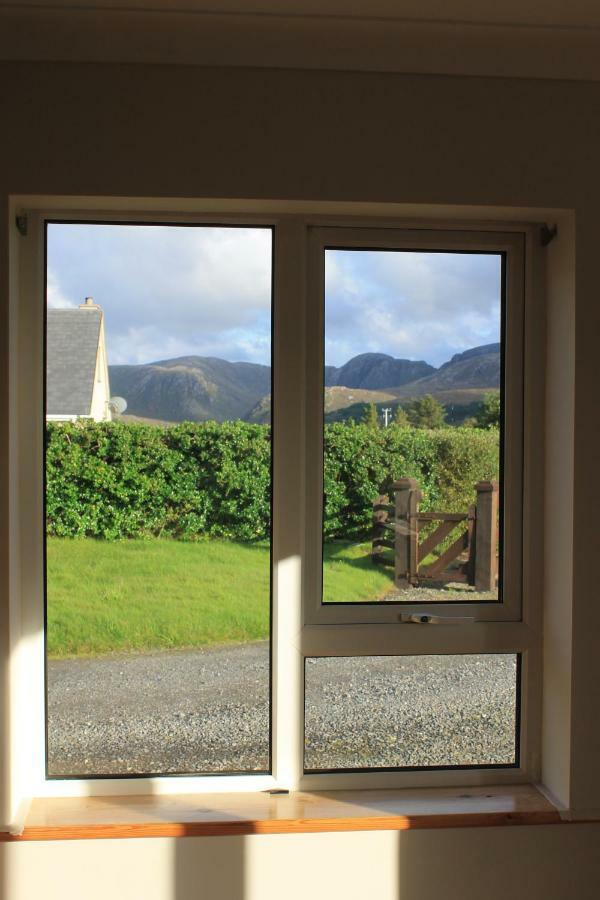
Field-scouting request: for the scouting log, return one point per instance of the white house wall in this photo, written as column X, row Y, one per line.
column 99, row 409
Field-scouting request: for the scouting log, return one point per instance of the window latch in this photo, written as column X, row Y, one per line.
column 428, row 619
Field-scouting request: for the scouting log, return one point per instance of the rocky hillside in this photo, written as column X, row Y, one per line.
column 190, row 388
column 197, row 388
column 376, row 371
column 477, row 368
column 336, row 399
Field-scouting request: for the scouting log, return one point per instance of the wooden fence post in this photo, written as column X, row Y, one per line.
column 381, row 507
column 472, row 544
column 407, row 496
column 486, row 535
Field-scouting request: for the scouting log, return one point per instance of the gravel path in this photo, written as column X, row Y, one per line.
column 207, row 711
column 410, row 711
column 439, row 593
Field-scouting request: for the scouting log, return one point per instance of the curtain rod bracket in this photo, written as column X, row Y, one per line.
column 547, row 234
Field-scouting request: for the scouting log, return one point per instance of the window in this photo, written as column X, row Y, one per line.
column 384, row 529
column 158, row 499
column 451, row 499
column 411, row 712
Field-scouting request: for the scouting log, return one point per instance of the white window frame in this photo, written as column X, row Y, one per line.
column 301, row 628
column 512, row 247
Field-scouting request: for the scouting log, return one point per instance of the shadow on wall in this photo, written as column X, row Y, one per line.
column 128, row 869
column 547, row 862
column 209, row 869
column 550, row 862
column 329, row 866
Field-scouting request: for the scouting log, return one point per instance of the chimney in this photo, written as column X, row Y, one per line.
column 89, row 304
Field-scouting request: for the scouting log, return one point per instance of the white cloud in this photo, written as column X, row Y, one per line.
column 54, row 296
column 170, row 291
column 175, row 291
column 414, row 305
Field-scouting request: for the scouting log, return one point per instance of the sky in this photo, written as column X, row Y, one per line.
column 170, row 291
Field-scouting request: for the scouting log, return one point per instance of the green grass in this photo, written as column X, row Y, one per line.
column 349, row 576
column 106, row 597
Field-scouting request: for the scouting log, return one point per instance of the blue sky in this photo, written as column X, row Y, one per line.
column 171, row 291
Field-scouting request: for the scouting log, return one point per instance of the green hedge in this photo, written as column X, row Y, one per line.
column 115, row 480
column 360, row 461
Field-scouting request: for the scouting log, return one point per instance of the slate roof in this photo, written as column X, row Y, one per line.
column 71, row 351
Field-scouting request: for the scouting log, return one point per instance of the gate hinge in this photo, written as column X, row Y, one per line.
column 21, row 223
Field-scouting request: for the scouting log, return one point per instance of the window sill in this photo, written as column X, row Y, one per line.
column 240, row 814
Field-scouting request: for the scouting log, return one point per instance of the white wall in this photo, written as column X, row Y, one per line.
column 552, row 862
column 192, row 132
column 99, row 409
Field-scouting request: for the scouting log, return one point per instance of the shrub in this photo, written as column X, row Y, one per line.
column 425, row 412
column 115, row 480
column 488, row 415
column 360, row 463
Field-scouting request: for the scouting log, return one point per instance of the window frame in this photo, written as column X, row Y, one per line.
column 144, row 221
column 297, row 633
column 511, row 246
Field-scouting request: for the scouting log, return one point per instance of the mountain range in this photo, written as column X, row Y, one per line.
column 197, row 388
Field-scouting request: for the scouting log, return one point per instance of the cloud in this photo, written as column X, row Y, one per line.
column 169, row 291
column 414, row 305
column 54, row 296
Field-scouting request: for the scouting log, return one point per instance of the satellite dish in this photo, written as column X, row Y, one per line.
column 117, row 405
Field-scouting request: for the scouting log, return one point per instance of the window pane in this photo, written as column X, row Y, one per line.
column 158, row 499
column 412, row 433
column 379, row 712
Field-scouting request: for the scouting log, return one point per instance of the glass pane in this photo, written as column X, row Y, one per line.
column 158, row 499
column 380, row 712
column 412, row 426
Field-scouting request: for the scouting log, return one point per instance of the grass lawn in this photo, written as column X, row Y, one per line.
column 160, row 594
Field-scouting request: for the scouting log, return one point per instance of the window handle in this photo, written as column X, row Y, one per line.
column 428, row 619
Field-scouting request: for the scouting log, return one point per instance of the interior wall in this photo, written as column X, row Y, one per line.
column 196, row 132
column 550, row 862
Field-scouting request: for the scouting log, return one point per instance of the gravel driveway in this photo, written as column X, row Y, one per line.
column 207, row 711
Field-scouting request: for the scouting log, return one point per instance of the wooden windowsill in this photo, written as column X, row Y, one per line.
column 262, row 813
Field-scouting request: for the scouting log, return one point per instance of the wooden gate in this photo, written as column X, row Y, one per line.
column 397, row 526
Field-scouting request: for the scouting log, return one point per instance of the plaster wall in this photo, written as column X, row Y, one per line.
column 169, row 131
column 551, row 862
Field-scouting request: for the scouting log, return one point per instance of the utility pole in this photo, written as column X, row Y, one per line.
column 387, row 415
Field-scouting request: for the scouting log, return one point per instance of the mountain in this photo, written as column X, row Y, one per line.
column 260, row 414
column 458, row 405
column 336, row 399
column 375, row 371
column 476, row 368
column 197, row 388
column 190, row 388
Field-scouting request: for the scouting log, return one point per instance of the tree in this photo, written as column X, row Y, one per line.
column 425, row 412
column 489, row 411
column 370, row 417
column 400, row 417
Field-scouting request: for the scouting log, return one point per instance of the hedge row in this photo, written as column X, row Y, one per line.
column 115, row 480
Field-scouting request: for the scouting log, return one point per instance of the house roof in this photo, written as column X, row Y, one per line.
column 71, row 352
